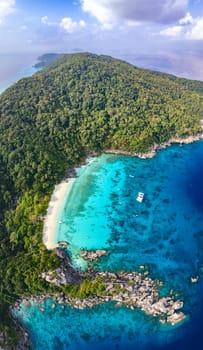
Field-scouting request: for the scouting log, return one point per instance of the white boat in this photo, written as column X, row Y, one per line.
column 140, row 197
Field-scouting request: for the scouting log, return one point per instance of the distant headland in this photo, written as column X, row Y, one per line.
column 45, row 59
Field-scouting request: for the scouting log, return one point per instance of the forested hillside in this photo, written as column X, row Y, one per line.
column 48, row 122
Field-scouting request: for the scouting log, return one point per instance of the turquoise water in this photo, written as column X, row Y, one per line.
column 164, row 233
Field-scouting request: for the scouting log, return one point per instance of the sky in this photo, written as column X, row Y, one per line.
column 160, row 34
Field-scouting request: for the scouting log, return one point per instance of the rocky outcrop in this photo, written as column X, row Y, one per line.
column 176, row 318
column 62, row 244
column 61, row 253
column 132, row 290
column 63, row 274
column 91, row 255
column 24, row 341
column 151, row 153
column 194, row 279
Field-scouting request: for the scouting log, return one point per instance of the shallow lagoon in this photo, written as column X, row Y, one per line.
column 165, row 233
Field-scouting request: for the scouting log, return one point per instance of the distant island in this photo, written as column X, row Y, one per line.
column 45, row 59
column 78, row 104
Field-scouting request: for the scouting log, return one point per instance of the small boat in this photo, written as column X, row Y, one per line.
column 140, row 197
column 60, row 222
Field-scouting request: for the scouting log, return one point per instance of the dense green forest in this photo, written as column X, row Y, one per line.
column 49, row 122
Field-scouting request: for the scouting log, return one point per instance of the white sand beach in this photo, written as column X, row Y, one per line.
column 52, row 212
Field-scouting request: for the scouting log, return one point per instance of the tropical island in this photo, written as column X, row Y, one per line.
column 78, row 104
column 45, row 59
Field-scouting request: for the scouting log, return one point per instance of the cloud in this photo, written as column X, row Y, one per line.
column 186, row 20
column 196, row 31
column 67, row 24
column 6, row 8
column 45, row 20
column 113, row 11
column 188, row 29
column 174, row 31
column 70, row 26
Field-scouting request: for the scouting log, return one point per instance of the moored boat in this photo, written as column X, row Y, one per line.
column 140, row 197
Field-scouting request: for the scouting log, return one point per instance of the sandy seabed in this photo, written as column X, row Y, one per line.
column 50, row 222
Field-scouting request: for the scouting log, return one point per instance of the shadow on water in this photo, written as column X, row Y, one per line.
column 194, row 185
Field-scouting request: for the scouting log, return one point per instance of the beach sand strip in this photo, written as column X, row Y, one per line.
column 50, row 222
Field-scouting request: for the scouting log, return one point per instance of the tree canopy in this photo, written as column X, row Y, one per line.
column 48, row 122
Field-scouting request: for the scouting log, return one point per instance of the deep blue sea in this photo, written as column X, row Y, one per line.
column 164, row 233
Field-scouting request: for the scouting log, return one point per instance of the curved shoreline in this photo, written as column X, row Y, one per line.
column 50, row 222
column 156, row 148
column 60, row 190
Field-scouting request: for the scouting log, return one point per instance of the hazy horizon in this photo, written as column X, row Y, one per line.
column 165, row 35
